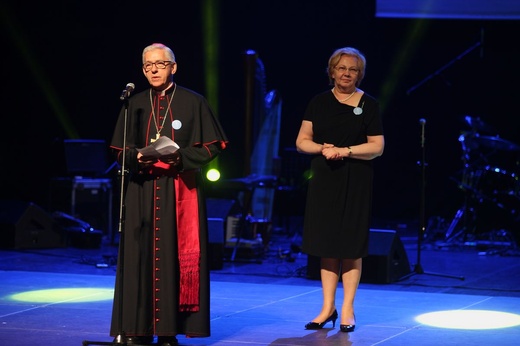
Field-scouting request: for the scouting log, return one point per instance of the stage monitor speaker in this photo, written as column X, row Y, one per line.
column 386, row 262
column 217, row 212
column 24, row 225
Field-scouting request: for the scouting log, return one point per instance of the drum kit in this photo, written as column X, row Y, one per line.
column 489, row 179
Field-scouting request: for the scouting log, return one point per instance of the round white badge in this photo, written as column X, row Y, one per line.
column 176, row 124
column 358, row 111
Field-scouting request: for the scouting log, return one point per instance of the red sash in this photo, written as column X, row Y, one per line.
column 188, row 240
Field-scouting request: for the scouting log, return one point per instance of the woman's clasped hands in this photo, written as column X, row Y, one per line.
column 331, row 152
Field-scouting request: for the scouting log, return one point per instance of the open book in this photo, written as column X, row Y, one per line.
column 161, row 147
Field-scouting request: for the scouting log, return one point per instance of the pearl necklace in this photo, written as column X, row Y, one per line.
column 348, row 97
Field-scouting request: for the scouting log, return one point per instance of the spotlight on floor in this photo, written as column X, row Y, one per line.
column 64, row 295
column 469, row 319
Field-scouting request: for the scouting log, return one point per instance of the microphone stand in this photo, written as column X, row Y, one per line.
column 120, row 339
column 418, row 269
column 449, row 64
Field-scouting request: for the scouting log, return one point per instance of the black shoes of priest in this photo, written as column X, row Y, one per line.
column 167, row 341
column 148, row 341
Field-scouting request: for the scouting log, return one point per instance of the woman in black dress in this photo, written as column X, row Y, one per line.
column 342, row 128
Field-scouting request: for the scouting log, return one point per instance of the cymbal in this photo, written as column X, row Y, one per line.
column 496, row 143
column 476, row 124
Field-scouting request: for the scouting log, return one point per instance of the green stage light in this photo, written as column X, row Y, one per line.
column 213, row 174
column 307, row 175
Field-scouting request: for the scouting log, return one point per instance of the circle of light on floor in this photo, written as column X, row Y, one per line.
column 469, row 319
column 64, row 295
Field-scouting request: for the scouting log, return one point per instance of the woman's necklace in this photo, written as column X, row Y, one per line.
column 157, row 128
column 346, row 99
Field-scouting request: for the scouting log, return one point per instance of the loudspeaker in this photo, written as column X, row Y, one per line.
column 86, row 199
column 386, row 262
column 24, row 225
column 217, row 212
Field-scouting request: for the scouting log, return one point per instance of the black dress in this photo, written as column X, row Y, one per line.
column 151, row 279
column 339, row 196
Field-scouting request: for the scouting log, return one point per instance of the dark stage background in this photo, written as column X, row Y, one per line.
column 64, row 65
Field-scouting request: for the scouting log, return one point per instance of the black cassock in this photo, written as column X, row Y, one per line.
column 151, row 280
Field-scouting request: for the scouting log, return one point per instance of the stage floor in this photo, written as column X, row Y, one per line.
column 267, row 301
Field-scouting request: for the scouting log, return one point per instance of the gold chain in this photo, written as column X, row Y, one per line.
column 157, row 128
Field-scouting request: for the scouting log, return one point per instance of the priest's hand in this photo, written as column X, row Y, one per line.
column 146, row 160
column 172, row 159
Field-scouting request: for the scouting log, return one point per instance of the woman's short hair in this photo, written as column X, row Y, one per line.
column 349, row 51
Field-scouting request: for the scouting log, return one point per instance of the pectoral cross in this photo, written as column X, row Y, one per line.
column 156, row 138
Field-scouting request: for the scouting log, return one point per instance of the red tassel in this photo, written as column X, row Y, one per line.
column 189, row 282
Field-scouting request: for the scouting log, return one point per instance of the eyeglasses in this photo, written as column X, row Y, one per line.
column 147, row 66
column 343, row 69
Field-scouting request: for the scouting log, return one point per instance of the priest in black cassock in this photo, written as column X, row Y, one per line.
column 164, row 241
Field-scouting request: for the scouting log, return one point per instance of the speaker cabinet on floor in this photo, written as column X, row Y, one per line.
column 217, row 212
column 386, row 262
column 24, row 225
column 86, row 199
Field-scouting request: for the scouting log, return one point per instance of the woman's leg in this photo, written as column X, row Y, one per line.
column 329, row 282
column 350, row 276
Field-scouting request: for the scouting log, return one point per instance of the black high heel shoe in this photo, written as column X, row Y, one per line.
column 347, row 328
column 317, row 325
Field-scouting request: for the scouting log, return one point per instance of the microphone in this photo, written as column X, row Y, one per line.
column 422, row 121
column 126, row 91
